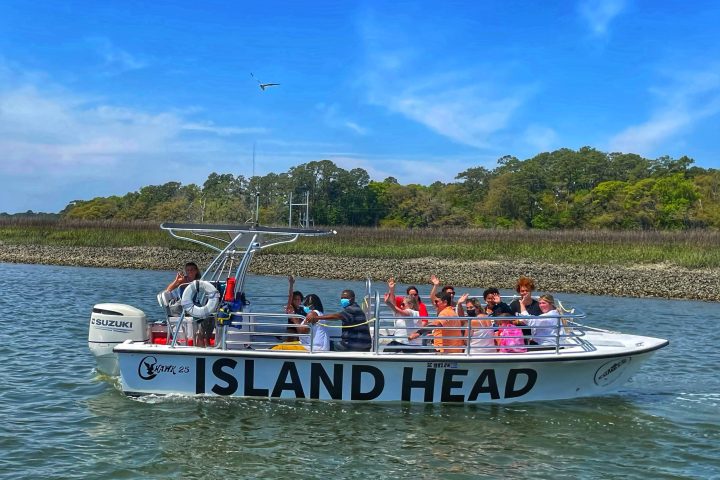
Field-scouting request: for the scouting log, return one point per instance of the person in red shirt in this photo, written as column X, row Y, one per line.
column 422, row 309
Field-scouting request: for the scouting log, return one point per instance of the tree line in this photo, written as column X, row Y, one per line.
column 563, row 189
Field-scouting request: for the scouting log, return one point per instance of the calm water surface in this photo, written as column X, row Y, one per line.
column 61, row 420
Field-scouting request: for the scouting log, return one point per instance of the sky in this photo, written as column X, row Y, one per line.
column 101, row 98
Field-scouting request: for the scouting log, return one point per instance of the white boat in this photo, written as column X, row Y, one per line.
column 159, row 358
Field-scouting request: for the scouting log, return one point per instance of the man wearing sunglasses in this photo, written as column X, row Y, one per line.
column 448, row 334
column 447, row 289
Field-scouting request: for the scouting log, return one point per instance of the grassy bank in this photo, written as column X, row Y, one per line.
column 89, row 234
column 693, row 249
column 698, row 249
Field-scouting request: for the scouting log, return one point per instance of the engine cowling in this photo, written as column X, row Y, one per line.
column 110, row 325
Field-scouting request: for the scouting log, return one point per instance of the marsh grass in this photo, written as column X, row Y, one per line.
column 87, row 234
column 692, row 249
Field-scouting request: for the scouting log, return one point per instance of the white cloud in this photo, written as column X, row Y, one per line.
column 688, row 99
column 210, row 127
column 540, row 138
column 356, row 128
column 333, row 118
column 43, row 130
column 115, row 60
column 468, row 105
column 599, row 13
column 55, row 130
column 423, row 170
column 466, row 115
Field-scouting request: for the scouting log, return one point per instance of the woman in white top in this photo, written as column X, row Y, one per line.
column 407, row 313
column 482, row 338
column 544, row 330
column 319, row 333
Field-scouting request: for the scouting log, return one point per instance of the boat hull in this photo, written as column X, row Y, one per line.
column 148, row 369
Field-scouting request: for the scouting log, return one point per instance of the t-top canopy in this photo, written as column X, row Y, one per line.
column 228, row 239
column 208, row 228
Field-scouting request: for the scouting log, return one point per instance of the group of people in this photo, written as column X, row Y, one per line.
column 306, row 322
column 308, row 317
column 489, row 330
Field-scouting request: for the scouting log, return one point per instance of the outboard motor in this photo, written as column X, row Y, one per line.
column 110, row 325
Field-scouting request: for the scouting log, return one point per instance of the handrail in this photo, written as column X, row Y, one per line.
column 566, row 329
column 559, row 327
column 376, row 318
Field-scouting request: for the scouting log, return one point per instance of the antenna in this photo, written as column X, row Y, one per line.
column 253, row 171
column 256, row 215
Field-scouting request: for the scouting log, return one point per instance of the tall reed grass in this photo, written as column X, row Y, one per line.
column 692, row 249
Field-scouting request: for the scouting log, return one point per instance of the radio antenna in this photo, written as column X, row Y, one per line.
column 253, row 168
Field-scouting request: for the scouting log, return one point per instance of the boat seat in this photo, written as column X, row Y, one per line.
column 169, row 303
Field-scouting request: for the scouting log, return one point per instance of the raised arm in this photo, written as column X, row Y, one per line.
column 179, row 279
column 390, row 298
column 291, row 285
column 435, row 282
column 459, row 309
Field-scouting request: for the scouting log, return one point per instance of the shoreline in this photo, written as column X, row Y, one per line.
column 656, row 281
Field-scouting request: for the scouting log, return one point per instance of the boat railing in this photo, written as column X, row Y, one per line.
column 477, row 339
column 256, row 330
column 260, row 326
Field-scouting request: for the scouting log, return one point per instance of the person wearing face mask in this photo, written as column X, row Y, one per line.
column 318, row 332
column 355, row 336
column 482, row 339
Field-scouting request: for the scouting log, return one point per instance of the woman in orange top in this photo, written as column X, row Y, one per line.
column 449, row 339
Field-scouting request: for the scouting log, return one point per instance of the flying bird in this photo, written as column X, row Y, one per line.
column 263, row 86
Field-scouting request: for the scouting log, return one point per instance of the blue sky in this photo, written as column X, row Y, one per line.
column 100, row 98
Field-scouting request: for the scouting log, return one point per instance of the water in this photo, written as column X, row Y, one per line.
column 60, row 420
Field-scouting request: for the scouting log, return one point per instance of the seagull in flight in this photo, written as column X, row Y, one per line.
column 263, row 86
